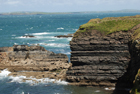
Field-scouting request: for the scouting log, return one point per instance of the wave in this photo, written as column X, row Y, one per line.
column 60, row 28
column 55, row 44
column 42, row 37
column 69, row 39
column 24, row 37
column 30, row 80
column 15, row 43
column 51, row 40
column 0, row 29
column 110, row 88
column 4, row 73
column 43, row 33
column 67, row 53
column 26, row 34
column 13, row 35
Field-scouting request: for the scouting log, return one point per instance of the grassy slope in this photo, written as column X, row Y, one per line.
column 110, row 24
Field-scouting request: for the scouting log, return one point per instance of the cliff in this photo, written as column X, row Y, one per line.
column 104, row 52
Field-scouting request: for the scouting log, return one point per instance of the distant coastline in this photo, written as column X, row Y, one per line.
column 45, row 13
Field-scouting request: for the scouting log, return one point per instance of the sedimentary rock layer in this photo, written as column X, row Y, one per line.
column 102, row 58
column 104, row 52
column 33, row 58
column 99, row 60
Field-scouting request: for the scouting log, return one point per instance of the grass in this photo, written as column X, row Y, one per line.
column 136, row 35
column 136, row 88
column 110, row 24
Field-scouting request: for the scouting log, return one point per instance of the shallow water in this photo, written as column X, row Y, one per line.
column 44, row 28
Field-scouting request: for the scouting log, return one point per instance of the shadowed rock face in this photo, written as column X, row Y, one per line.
column 33, row 58
column 99, row 60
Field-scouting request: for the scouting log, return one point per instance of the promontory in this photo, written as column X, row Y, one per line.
column 106, row 52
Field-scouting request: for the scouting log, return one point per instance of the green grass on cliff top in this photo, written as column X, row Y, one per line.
column 110, row 24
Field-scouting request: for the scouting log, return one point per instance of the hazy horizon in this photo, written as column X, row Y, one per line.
column 67, row 5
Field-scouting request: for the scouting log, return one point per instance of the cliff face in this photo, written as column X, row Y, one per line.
column 33, row 58
column 100, row 58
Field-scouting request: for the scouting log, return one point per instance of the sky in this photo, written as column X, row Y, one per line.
column 67, row 5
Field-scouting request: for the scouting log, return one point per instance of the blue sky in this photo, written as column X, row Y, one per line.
column 67, row 5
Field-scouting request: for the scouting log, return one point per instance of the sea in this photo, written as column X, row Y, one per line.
column 14, row 28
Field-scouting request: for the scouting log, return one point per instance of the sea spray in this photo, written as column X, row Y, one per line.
column 30, row 80
column 4, row 73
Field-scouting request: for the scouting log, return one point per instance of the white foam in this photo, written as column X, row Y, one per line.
column 0, row 29
column 34, row 81
column 60, row 28
column 42, row 37
column 43, row 33
column 26, row 34
column 69, row 39
column 13, row 35
column 67, row 53
column 4, row 73
column 17, row 78
column 61, row 82
column 15, row 43
column 24, row 37
column 112, row 88
column 57, row 45
column 29, row 80
column 51, row 40
column 42, row 44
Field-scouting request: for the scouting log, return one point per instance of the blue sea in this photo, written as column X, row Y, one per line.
column 13, row 28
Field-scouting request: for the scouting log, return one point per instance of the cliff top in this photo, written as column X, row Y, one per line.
column 110, row 25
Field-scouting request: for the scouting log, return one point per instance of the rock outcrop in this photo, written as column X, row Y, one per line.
column 99, row 60
column 64, row 36
column 28, row 36
column 33, row 58
column 102, row 58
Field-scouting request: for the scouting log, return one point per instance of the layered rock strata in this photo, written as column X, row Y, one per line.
column 64, row 36
column 101, row 59
column 34, row 58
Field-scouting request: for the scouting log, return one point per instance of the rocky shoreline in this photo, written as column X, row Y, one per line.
column 33, row 61
column 104, row 53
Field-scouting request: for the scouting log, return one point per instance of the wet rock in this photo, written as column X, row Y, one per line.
column 64, row 36
column 28, row 36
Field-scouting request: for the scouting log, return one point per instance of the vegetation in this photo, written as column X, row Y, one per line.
column 110, row 24
column 136, row 88
column 136, row 35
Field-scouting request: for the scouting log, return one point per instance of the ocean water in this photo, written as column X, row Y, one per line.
column 44, row 28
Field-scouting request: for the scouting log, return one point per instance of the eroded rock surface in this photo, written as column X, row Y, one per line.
column 64, row 36
column 34, row 58
column 100, row 60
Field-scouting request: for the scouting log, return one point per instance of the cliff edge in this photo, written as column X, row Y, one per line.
column 105, row 52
